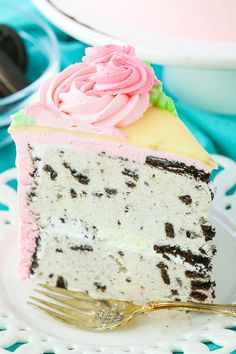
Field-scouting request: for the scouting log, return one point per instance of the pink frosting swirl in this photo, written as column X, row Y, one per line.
column 123, row 74
column 103, row 54
column 111, row 93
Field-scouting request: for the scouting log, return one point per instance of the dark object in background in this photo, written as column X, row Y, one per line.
column 12, row 44
column 11, row 78
column 13, row 62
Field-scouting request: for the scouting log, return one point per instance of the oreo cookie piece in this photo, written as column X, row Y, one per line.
column 12, row 44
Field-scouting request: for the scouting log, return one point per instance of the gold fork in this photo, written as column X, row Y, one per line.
column 80, row 310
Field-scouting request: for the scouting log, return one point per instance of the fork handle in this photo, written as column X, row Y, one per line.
column 228, row 310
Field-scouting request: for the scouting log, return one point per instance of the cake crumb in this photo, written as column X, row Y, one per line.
column 164, row 274
column 129, row 173
column 87, row 248
column 174, row 292
column 111, row 191
column 186, row 199
column 97, row 194
column 61, row 282
column 101, row 287
column 83, row 179
column 130, row 184
column 208, row 232
column 73, row 193
column 49, row 169
column 169, row 230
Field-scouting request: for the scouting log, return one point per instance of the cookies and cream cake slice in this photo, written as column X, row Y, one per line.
column 114, row 190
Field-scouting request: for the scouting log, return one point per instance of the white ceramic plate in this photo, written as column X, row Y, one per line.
column 162, row 333
column 167, row 52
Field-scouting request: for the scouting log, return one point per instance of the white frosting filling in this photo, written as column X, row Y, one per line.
column 132, row 276
column 84, row 199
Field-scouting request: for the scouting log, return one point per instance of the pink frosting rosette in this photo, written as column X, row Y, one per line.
column 103, row 54
column 110, row 89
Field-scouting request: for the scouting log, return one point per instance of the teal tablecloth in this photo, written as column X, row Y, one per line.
column 216, row 133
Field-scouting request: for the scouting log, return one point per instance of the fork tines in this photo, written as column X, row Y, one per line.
column 74, row 308
column 77, row 308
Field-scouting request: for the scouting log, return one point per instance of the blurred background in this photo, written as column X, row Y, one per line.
column 200, row 75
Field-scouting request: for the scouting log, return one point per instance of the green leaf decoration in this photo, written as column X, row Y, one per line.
column 148, row 64
column 160, row 100
column 20, row 119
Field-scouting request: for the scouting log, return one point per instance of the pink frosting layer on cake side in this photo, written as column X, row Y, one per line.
column 24, row 163
column 28, row 227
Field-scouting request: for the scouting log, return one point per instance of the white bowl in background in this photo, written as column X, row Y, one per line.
column 42, row 56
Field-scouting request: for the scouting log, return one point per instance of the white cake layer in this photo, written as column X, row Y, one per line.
column 112, row 272
column 113, row 205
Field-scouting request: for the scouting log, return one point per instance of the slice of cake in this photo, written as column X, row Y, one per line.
column 114, row 190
